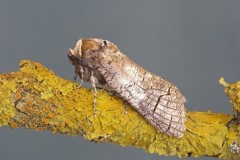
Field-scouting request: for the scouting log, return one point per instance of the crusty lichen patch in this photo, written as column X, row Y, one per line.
column 37, row 99
column 7, row 110
column 233, row 92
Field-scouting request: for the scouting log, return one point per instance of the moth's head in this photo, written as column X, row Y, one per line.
column 87, row 48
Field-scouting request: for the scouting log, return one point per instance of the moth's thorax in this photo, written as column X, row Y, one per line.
column 91, row 51
column 90, row 45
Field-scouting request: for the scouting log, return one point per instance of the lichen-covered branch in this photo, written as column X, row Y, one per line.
column 37, row 99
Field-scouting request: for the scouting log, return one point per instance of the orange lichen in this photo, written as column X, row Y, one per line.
column 18, row 94
column 36, row 98
column 14, row 125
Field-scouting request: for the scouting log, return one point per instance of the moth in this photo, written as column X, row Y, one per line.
column 101, row 63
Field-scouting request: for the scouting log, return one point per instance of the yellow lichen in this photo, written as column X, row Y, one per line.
column 233, row 91
column 36, row 98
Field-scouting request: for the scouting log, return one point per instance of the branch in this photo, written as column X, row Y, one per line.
column 37, row 99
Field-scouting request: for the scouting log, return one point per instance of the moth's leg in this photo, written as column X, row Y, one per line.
column 126, row 106
column 79, row 71
column 94, row 83
column 75, row 77
column 70, row 54
column 76, row 74
column 112, row 92
column 106, row 87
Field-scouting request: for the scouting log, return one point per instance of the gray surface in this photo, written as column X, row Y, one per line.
column 191, row 43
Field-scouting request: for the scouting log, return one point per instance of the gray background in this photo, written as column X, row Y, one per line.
column 191, row 43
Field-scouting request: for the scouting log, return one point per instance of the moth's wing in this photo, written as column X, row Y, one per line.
column 163, row 106
column 159, row 101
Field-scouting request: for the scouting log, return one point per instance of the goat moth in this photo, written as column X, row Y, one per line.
column 156, row 99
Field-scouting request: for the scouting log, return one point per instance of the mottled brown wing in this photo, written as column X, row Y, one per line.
column 166, row 106
column 159, row 101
